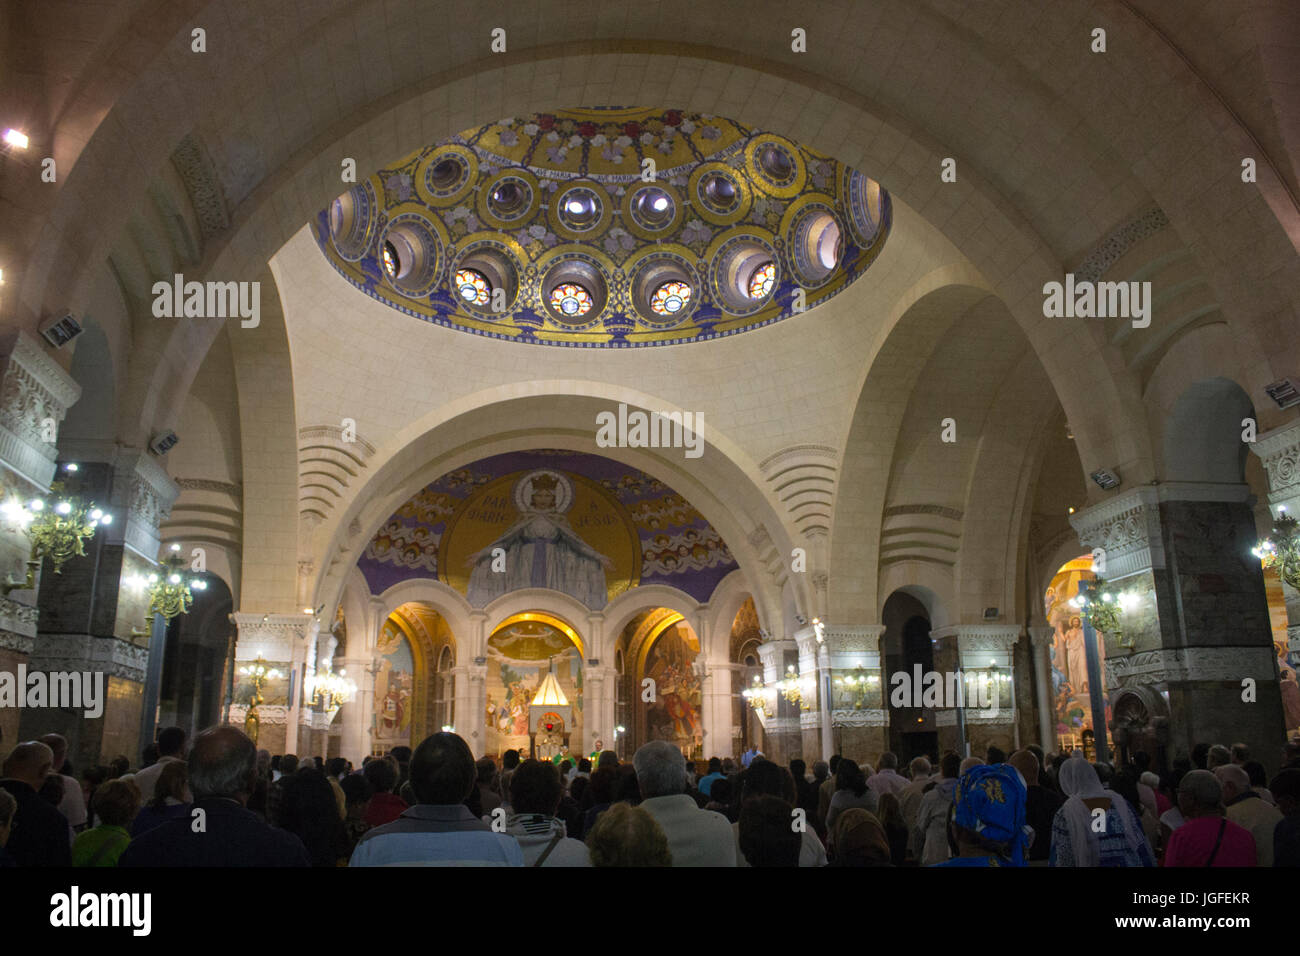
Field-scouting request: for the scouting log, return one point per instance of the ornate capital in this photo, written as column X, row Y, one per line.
column 35, row 395
column 1280, row 451
column 273, row 637
column 867, row 717
column 1128, row 528
column 1041, row 635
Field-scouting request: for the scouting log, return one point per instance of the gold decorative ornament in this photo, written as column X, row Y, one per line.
column 1282, row 549
column 57, row 530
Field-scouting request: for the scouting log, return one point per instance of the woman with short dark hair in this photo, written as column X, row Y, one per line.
column 116, row 804
column 309, row 810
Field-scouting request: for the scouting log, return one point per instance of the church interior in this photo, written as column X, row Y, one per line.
column 569, row 378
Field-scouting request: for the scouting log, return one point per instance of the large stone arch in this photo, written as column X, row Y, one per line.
column 506, row 419
column 293, row 193
column 908, row 340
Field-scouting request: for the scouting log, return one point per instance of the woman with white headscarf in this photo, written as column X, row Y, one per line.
column 1095, row 827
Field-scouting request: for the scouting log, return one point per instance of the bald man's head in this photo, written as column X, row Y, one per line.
column 29, row 762
column 1027, row 764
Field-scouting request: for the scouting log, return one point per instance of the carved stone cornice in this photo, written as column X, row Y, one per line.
column 83, row 652
column 1041, row 635
column 1191, row 664
column 35, row 395
column 267, row 714
column 980, row 638
column 1279, row 450
column 20, row 643
column 273, row 637
column 205, row 484
column 781, row 725
column 810, row 719
column 1127, row 527
column 19, row 619
column 867, row 717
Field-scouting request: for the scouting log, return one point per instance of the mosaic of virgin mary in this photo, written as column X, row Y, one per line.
column 541, row 550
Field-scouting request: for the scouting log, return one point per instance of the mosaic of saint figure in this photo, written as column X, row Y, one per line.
column 541, row 549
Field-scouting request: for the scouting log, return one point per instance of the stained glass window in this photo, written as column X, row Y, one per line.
column 760, row 283
column 473, row 286
column 670, row 298
column 569, row 298
column 391, row 263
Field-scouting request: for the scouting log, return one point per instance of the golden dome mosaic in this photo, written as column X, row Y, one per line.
column 607, row 228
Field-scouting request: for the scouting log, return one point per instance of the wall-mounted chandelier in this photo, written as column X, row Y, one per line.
column 57, row 527
column 330, row 690
column 756, row 695
column 1106, row 608
column 789, row 686
column 170, row 592
column 1282, row 549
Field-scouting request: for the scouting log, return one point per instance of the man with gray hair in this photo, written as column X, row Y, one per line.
column 909, row 799
column 696, row 837
column 1244, row 807
column 1207, row 838
column 220, row 830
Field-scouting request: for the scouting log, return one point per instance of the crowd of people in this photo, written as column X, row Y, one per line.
column 218, row 801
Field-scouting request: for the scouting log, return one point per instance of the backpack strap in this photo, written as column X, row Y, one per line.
column 1223, row 825
column 555, row 841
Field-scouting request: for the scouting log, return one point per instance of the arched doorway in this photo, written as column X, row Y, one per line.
column 534, row 684
column 906, row 644
column 663, row 682
column 412, row 680
column 1072, row 716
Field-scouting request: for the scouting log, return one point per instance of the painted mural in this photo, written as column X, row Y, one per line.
column 1071, row 690
column 394, row 689
column 578, row 523
column 519, row 655
column 675, row 712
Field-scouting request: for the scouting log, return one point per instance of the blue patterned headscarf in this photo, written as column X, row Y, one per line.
column 990, row 801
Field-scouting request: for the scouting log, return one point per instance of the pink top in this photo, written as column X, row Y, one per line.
column 1192, row 842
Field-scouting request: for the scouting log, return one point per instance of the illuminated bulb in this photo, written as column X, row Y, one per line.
column 16, row 138
column 176, row 547
column 153, row 579
column 1071, row 511
column 36, row 504
column 63, row 508
column 200, row 585
column 660, row 203
column 174, row 578
column 70, row 466
column 96, row 514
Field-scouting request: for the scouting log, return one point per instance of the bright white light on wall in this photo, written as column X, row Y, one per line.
column 16, row 138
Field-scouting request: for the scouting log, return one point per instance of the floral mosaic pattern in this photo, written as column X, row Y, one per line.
column 618, row 152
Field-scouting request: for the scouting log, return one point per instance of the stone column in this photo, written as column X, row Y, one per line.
column 471, row 704
column 91, row 612
column 1197, row 656
column 598, row 718
column 717, row 711
column 1280, row 451
column 978, row 648
column 282, row 641
column 780, row 726
column 813, row 710
column 1041, row 637
column 859, row 733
